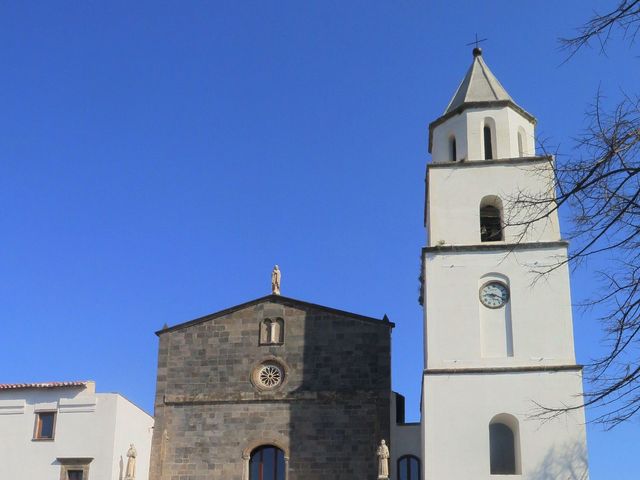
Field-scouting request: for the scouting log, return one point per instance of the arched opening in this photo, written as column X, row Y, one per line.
column 491, row 219
column 272, row 331
column 277, row 331
column 408, row 468
column 520, row 143
column 265, row 331
column 496, row 329
column 504, row 445
column 453, row 151
column 488, row 144
column 267, row 463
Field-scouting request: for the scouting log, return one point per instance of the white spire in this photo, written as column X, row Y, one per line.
column 478, row 85
column 482, row 122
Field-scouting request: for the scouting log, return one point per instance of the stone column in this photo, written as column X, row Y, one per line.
column 245, row 466
column 286, row 468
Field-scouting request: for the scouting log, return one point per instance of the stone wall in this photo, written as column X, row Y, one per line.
column 328, row 415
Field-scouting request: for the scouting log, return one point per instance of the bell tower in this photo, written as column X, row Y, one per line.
column 498, row 339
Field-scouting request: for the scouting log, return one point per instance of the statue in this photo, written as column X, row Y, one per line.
column 383, row 461
column 275, row 280
column 131, row 463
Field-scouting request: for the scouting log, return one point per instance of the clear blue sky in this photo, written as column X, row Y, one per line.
column 157, row 158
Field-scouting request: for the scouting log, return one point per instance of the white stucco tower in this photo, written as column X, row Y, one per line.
column 498, row 338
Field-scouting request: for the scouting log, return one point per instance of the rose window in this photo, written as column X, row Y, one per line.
column 268, row 376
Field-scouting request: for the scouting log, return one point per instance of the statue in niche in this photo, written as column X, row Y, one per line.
column 383, row 461
column 275, row 280
column 265, row 332
column 131, row 463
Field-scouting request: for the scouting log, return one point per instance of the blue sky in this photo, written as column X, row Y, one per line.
column 157, row 158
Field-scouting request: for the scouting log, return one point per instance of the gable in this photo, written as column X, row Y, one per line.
column 309, row 308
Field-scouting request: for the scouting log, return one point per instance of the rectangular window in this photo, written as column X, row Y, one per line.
column 45, row 425
column 74, row 475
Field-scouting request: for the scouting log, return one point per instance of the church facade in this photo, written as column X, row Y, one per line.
column 281, row 389
column 275, row 388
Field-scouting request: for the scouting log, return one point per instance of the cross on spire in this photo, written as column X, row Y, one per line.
column 477, row 50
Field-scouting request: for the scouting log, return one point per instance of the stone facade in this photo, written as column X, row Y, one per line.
column 328, row 415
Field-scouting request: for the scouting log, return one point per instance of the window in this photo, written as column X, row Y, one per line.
column 503, row 445
column 520, row 144
column 491, row 219
column 272, row 331
column 45, row 425
column 74, row 468
column 267, row 463
column 408, row 468
column 488, row 144
column 75, row 475
column 453, row 153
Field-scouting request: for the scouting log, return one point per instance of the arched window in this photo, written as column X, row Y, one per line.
column 408, row 468
column 491, row 219
column 504, row 445
column 488, row 144
column 453, row 152
column 520, row 143
column 267, row 463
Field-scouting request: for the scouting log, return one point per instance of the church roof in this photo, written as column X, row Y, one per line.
column 22, row 386
column 283, row 301
column 479, row 89
column 478, row 85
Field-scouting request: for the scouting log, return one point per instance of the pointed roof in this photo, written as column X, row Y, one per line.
column 478, row 85
column 479, row 89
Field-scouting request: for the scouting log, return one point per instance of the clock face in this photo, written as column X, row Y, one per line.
column 494, row 294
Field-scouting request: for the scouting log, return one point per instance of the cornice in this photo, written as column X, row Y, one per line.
column 492, row 247
column 485, row 163
column 495, row 370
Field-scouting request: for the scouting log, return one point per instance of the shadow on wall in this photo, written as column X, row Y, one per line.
column 345, row 369
column 568, row 462
column 121, row 466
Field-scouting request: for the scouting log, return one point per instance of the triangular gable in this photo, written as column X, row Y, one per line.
column 283, row 301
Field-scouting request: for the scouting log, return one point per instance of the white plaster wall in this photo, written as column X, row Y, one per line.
column 457, row 410
column 516, row 122
column 405, row 440
column 541, row 317
column 455, row 126
column 454, row 194
column 468, row 130
column 133, row 425
column 85, row 427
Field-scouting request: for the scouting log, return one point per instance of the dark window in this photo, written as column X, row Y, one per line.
column 400, row 408
column 45, row 424
column 266, row 463
column 488, row 150
column 408, row 468
column 503, row 452
column 454, row 152
column 490, row 224
column 74, row 475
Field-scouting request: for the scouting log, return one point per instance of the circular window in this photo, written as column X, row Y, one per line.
column 268, row 375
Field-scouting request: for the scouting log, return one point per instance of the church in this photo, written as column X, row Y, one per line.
column 282, row 389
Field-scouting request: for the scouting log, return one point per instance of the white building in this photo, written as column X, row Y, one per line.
column 67, row 431
column 497, row 343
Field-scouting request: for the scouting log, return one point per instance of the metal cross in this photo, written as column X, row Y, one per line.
column 476, row 42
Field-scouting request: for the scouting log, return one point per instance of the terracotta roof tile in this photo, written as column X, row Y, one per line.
column 17, row 386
